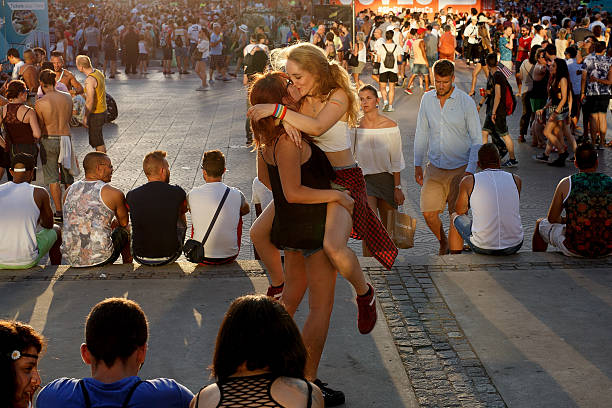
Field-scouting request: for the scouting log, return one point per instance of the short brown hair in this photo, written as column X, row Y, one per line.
column 114, row 329
column 47, row 77
column 213, row 162
column 444, row 68
column 153, row 162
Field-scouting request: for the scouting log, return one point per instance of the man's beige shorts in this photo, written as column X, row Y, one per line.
column 440, row 187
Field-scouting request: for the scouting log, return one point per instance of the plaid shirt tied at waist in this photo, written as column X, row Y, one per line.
column 366, row 225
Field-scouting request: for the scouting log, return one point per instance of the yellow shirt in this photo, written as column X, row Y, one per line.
column 100, row 96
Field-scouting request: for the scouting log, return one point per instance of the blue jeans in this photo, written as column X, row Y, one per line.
column 464, row 227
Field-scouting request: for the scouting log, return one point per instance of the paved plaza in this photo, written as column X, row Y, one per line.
column 166, row 113
column 528, row 330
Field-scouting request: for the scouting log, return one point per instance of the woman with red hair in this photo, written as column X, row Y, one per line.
column 300, row 184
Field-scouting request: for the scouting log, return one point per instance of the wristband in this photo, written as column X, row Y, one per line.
column 279, row 111
column 399, row 187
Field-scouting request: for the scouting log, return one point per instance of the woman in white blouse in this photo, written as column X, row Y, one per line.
column 377, row 146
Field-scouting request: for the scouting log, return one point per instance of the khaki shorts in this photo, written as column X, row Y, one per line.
column 440, row 186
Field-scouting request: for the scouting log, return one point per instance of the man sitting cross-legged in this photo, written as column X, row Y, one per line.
column 22, row 207
column 95, row 217
column 586, row 197
column 157, row 210
column 493, row 195
column 115, row 347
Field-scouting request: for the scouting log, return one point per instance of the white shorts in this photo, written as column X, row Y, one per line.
column 554, row 234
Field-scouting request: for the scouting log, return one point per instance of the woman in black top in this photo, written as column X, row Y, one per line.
column 299, row 180
column 259, row 360
column 556, row 111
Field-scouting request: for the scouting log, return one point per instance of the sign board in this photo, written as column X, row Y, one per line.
column 23, row 24
column 418, row 6
column 330, row 13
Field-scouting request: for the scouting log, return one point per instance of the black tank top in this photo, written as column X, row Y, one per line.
column 17, row 131
column 539, row 90
column 308, row 219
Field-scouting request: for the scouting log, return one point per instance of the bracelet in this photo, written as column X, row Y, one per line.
column 279, row 111
column 399, row 187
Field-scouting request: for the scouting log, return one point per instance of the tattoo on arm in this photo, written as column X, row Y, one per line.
column 337, row 102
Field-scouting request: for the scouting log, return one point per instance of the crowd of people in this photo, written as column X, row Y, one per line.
column 329, row 165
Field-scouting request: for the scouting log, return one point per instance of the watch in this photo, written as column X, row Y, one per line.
column 399, row 186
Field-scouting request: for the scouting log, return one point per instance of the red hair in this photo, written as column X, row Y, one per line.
column 270, row 87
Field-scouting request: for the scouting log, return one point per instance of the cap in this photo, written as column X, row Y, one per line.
column 22, row 162
column 244, row 28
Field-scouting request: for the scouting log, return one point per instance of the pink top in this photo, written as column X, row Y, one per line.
column 59, row 86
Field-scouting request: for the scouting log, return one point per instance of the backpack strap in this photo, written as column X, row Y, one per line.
column 309, row 403
column 128, row 397
column 214, row 219
column 85, row 394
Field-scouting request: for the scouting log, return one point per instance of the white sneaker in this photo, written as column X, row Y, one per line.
column 202, row 88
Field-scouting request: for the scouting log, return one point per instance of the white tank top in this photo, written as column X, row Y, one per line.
column 336, row 139
column 495, row 210
column 18, row 217
column 361, row 54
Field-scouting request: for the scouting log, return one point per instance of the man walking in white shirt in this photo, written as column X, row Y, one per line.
column 448, row 132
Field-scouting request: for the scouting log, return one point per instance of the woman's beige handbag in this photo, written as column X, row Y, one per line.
column 401, row 228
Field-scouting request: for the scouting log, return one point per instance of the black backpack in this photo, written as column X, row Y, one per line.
column 389, row 61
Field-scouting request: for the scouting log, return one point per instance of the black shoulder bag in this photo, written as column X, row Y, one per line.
column 194, row 250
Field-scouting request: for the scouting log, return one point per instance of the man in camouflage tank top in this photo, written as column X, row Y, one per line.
column 586, row 197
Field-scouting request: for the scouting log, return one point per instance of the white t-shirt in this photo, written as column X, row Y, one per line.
column 261, row 194
column 381, row 52
column 193, row 32
column 16, row 68
column 203, row 202
column 204, row 47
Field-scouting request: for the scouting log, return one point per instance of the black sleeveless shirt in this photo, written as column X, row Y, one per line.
column 301, row 226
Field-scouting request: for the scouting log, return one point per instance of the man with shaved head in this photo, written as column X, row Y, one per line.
column 157, row 210
column 95, row 217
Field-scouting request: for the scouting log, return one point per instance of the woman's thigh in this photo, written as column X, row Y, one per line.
column 338, row 226
column 263, row 224
column 383, row 210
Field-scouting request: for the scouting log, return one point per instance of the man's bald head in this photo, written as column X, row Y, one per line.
column 92, row 160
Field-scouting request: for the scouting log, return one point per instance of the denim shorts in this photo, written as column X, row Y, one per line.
column 305, row 252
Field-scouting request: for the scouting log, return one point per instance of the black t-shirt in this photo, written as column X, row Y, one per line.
column 154, row 212
column 495, row 79
column 256, row 63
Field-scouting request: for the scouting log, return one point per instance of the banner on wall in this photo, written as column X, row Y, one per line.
column 418, row 6
column 23, row 24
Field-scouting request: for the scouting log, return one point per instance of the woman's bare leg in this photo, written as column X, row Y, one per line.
column 475, row 72
column 338, row 227
column 295, row 281
column 321, row 278
column 269, row 254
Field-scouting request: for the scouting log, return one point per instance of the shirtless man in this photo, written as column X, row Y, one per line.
column 64, row 76
column 54, row 110
column 29, row 73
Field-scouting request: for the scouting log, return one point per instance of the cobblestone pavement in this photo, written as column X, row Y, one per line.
column 440, row 362
column 156, row 112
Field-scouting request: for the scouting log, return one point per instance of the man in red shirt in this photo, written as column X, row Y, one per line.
column 524, row 45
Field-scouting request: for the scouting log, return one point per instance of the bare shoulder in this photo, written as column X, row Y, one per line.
column 386, row 122
column 114, row 192
column 207, row 398
column 338, row 95
column 293, row 393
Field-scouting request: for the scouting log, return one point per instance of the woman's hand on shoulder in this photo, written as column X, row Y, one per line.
column 294, row 134
column 209, row 397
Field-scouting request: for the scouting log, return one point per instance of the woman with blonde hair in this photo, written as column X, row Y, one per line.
column 561, row 43
column 326, row 107
column 484, row 49
column 359, row 50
